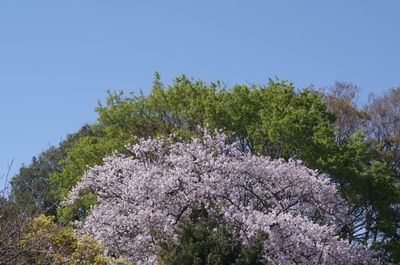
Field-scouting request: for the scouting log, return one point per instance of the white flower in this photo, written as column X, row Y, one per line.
column 156, row 189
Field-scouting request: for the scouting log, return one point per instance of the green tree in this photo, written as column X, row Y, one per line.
column 206, row 240
column 365, row 166
column 45, row 242
column 31, row 187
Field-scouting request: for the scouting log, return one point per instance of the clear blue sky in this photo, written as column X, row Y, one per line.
column 57, row 58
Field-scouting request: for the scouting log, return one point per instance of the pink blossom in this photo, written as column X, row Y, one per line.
column 156, row 188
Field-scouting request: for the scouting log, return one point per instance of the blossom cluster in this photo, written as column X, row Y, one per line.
column 157, row 187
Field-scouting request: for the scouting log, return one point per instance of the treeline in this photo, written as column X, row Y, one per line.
column 358, row 147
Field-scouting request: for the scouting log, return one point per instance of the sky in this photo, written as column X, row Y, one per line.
column 58, row 58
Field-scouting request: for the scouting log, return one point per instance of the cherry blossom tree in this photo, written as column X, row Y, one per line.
column 143, row 198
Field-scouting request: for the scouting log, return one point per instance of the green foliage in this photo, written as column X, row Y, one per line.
column 272, row 120
column 31, row 187
column 44, row 242
column 291, row 125
column 363, row 162
column 205, row 240
column 370, row 186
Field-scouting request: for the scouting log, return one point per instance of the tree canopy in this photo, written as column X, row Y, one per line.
column 142, row 199
column 355, row 146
